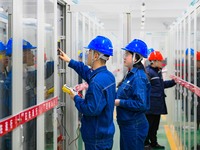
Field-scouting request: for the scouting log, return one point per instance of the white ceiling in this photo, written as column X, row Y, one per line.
column 159, row 14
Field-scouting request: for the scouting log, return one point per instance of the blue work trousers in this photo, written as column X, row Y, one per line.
column 107, row 145
column 132, row 136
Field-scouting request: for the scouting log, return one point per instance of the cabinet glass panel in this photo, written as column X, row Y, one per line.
column 29, row 69
column 49, row 69
column 198, row 74
column 5, row 72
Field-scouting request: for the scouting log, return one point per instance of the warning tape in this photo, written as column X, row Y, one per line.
column 10, row 123
column 193, row 88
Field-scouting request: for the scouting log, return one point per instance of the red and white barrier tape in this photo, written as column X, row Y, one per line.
column 187, row 85
column 10, row 123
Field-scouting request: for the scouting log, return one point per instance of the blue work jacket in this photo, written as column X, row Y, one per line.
column 3, row 100
column 134, row 94
column 157, row 96
column 8, row 93
column 98, row 106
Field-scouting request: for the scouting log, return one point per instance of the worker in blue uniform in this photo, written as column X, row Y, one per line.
column 29, row 89
column 132, row 99
column 3, row 74
column 4, row 110
column 157, row 98
column 146, row 62
column 97, row 128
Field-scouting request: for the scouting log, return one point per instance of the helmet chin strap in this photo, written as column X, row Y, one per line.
column 135, row 62
column 92, row 64
column 101, row 56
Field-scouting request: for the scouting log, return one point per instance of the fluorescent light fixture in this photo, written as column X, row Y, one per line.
column 143, row 13
column 143, row 19
column 142, row 23
column 143, row 8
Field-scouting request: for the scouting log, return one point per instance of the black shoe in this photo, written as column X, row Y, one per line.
column 157, row 146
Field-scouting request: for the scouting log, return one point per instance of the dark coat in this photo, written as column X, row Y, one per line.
column 157, row 96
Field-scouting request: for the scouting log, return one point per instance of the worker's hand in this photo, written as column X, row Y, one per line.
column 72, row 93
column 117, row 101
column 63, row 56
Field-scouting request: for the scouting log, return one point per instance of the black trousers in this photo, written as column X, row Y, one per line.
column 154, row 121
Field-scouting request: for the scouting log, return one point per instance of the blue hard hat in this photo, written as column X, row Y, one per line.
column 2, row 47
column 26, row 46
column 9, row 47
column 150, row 50
column 191, row 52
column 101, row 44
column 81, row 55
column 137, row 46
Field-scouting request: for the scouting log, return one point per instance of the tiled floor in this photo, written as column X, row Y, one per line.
column 162, row 138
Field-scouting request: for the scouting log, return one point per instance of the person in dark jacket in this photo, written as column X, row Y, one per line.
column 157, row 98
column 97, row 128
column 132, row 98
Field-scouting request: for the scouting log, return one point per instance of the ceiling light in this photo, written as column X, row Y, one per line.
column 143, row 19
column 143, row 13
column 142, row 23
column 143, row 7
